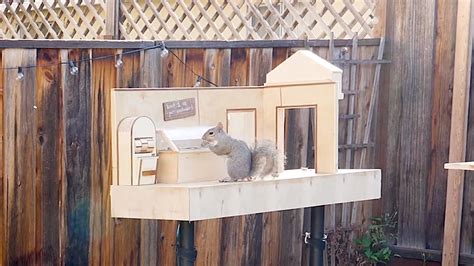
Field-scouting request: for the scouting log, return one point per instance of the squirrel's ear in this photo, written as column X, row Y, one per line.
column 220, row 126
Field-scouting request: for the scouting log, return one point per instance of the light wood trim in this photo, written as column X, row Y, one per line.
column 457, row 147
column 466, row 166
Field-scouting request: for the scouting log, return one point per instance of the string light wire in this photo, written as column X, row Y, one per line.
column 191, row 70
column 73, row 63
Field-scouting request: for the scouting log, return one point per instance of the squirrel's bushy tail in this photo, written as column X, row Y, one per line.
column 264, row 160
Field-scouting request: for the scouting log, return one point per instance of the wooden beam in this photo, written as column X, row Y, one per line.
column 457, row 148
column 135, row 44
column 460, row 166
column 427, row 254
column 380, row 13
column 192, row 201
column 111, row 19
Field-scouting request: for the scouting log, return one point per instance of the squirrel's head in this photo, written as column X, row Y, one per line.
column 211, row 136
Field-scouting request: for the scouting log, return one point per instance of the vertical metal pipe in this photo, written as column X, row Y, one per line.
column 185, row 251
column 317, row 232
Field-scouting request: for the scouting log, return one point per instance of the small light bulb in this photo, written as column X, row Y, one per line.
column 20, row 75
column 373, row 21
column 73, row 69
column 164, row 52
column 118, row 61
column 198, row 82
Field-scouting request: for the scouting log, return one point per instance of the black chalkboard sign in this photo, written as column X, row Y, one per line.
column 179, row 109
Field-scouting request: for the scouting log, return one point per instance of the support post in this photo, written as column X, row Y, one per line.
column 317, row 234
column 457, row 147
column 112, row 18
column 185, row 251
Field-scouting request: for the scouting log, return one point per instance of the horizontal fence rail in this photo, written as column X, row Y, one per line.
column 187, row 19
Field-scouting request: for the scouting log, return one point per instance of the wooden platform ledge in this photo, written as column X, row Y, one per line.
column 294, row 189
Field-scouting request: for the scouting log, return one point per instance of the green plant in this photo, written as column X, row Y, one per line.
column 373, row 243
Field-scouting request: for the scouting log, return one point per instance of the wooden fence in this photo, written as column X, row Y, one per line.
column 56, row 156
column 186, row 19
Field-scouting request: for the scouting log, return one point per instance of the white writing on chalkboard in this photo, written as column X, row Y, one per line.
column 179, row 109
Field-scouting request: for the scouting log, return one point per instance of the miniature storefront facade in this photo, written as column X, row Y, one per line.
column 187, row 174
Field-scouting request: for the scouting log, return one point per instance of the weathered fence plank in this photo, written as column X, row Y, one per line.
column 103, row 80
column 150, row 73
column 194, row 61
column 20, row 145
column 174, row 72
column 232, row 250
column 296, row 146
column 441, row 116
column 272, row 220
column 77, row 108
column 217, row 66
column 3, row 180
column 208, row 233
column 49, row 156
column 416, row 88
column 128, row 242
column 467, row 222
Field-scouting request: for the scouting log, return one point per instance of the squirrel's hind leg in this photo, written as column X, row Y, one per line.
column 258, row 166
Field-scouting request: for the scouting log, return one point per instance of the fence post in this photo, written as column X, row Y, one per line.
column 112, row 19
column 458, row 135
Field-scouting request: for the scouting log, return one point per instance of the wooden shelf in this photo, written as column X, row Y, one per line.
column 293, row 189
column 468, row 166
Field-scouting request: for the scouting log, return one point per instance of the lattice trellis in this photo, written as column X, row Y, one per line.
column 188, row 19
column 52, row 19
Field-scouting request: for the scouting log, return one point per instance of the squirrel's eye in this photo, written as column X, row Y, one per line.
column 211, row 133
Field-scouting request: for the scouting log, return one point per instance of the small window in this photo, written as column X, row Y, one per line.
column 241, row 124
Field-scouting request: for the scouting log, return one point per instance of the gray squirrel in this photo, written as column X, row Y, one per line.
column 243, row 163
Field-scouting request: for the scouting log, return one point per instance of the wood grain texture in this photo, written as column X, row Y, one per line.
column 467, row 222
column 174, row 72
column 175, row 44
column 127, row 238
column 50, row 157
column 20, row 144
column 166, row 242
column 441, row 116
column 416, row 114
column 296, row 145
column 208, row 235
column 259, row 65
column 387, row 145
column 402, row 157
column 239, row 65
column 217, row 66
column 380, row 13
column 272, row 221
column 235, row 231
column 458, row 133
column 130, row 74
column 103, row 80
column 77, row 104
column 195, row 63
column 207, row 238
column 3, row 180
column 150, row 72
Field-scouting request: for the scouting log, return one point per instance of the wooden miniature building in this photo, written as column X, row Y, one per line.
column 190, row 188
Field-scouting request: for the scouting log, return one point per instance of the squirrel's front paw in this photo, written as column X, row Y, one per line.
column 225, row 179
column 205, row 144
